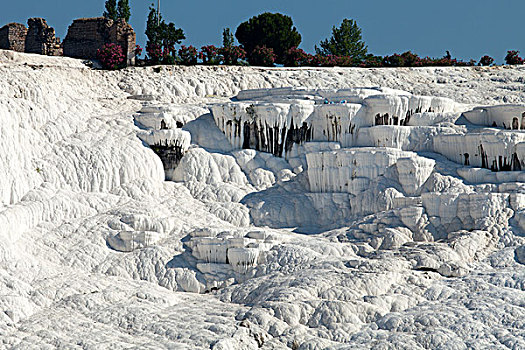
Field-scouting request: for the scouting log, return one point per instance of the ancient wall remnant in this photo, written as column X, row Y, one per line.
column 41, row 38
column 86, row 35
column 13, row 37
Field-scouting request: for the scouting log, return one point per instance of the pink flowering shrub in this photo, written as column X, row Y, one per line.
column 409, row 59
column 138, row 51
column 344, row 61
column 155, row 53
column 513, row 57
column 188, row 55
column 372, row 61
column 231, row 55
column 320, row 61
column 486, row 61
column 209, row 55
column 406, row 59
column 111, row 56
column 262, row 56
column 295, row 57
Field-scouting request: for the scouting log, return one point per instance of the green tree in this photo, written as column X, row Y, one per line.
column 161, row 35
column 170, row 36
column 152, row 27
column 111, row 10
column 272, row 30
column 227, row 38
column 345, row 41
column 124, row 10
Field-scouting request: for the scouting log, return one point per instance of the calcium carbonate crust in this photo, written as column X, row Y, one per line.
column 308, row 208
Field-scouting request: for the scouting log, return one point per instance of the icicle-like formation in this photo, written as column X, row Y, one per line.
column 276, row 119
column 170, row 145
column 272, row 128
column 492, row 149
column 510, row 117
column 398, row 110
column 351, row 169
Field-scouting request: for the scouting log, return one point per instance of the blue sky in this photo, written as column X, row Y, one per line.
column 467, row 28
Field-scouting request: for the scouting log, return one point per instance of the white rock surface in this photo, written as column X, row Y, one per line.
column 97, row 250
column 502, row 116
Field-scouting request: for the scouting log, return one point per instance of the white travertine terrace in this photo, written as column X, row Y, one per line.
column 334, row 233
column 510, row 117
column 489, row 149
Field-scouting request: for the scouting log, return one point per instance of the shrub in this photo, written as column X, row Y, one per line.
column 138, row 51
column 394, row 60
column 111, row 56
column 513, row 57
column 406, row 59
column 345, row 41
column 328, row 61
column 465, row 64
column 188, row 55
column 209, row 55
column 167, row 58
column 154, row 53
column 486, row 61
column 271, row 30
column 411, row 59
column 372, row 61
column 232, row 55
column 320, row 61
column 262, row 56
column 296, row 58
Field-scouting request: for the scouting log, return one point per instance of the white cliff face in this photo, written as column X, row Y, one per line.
column 510, row 117
column 355, row 234
column 296, row 116
column 352, row 169
column 489, row 149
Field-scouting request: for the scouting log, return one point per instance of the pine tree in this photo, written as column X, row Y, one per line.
column 123, row 10
column 111, row 10
column 345, row 41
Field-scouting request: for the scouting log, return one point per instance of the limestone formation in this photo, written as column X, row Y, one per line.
column 395, row 249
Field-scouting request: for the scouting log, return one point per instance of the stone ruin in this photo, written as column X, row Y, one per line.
column 86, row 35
column 13, row 37
column 41, row 38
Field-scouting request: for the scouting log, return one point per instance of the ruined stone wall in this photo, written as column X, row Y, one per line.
column 41, row 38
column 86, row 35
column 13, row 37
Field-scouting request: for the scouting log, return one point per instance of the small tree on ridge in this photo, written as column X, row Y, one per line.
column 345, row 41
